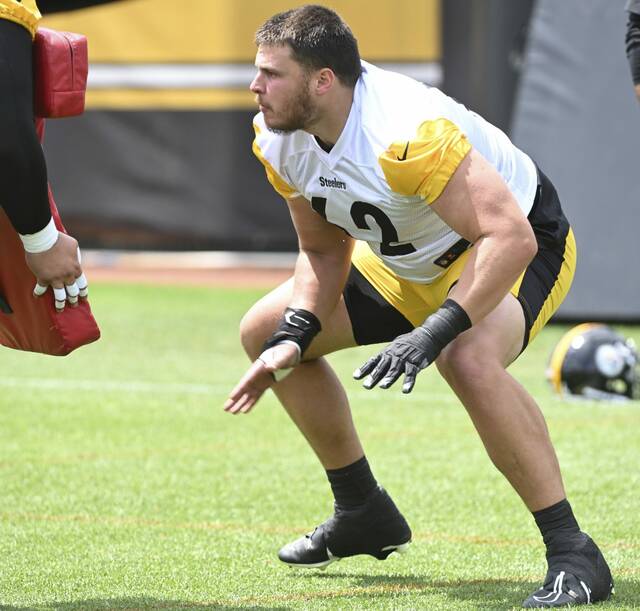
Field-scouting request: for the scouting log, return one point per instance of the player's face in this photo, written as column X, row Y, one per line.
column 282, row 90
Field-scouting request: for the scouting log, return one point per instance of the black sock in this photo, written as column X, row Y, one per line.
column 558, row 526
column 351, row 485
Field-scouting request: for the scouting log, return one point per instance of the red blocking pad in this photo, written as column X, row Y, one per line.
column 60, row 70
column 29, row 323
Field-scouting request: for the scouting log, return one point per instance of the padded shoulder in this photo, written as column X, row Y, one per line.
column 268, row 158
column 424, row 164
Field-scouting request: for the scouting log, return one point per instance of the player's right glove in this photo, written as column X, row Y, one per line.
column 411, row 352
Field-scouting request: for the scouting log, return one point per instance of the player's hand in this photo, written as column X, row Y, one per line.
column 406, row 354
column 59, row 268
column 275, row 362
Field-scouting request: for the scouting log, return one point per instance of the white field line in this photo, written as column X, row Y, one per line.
column 424, row 397
column 163, row 388
column 109, row 386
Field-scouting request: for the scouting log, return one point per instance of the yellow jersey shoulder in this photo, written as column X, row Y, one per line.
column 273, row 152
column 419, row 143
column 420, row 136
column 25, row 13
column 424, row 164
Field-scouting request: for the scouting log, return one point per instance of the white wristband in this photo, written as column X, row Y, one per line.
column 41, row 240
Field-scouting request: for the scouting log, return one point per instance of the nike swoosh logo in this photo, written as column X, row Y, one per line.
column 404, row 155
column 292, row 319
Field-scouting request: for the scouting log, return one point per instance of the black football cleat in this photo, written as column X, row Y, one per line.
column 376, row 528
column 579, row 576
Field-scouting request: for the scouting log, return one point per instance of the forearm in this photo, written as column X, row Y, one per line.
column 493, row 267
column 23, row 172
column 24, row 192
column 319, row 279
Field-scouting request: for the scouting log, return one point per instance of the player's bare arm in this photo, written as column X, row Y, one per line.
column 478, row 205
column 323, row 262
column 320, row 274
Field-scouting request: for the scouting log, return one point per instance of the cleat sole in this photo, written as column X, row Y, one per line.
column 403, row 548
column 386, row 551
column 316, row 565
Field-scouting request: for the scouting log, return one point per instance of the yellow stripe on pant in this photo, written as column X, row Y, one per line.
column 560, row 288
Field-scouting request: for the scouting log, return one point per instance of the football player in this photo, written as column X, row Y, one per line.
column 420, row 225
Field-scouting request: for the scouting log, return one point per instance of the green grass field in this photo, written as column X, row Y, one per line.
column 123, row 484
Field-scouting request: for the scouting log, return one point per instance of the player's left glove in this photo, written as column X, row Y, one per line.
column 411, row 352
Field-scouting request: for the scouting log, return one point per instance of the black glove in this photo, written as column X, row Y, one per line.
column 411, row 352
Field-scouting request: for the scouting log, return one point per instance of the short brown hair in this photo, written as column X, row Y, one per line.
column 318, row 38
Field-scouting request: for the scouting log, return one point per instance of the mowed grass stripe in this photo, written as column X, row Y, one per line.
column 133, row 521
column 426, row 537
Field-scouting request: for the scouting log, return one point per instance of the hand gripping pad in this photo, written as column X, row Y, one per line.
column 27, row 323
column 60, row 68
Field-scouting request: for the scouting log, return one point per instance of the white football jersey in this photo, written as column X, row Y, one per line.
column 400, row 146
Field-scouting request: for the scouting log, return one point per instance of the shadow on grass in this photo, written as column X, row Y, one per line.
column 483, row 593
column 137, row 604
column 365, row 590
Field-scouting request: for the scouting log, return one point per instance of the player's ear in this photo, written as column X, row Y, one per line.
column 324, row 80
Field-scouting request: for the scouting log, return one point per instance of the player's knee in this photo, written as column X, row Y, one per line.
column 253, row 332
column 464, row 363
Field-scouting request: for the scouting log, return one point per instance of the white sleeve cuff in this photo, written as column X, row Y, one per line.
column 41, row 240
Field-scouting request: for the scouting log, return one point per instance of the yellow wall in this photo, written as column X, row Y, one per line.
column 222, row 30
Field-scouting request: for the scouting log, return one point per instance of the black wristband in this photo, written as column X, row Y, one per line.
column 444, row 325
column 298, row 326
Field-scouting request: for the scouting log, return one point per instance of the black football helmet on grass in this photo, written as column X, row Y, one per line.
column 595, row 362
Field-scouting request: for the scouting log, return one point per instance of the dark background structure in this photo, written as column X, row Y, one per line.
column 553, row 75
